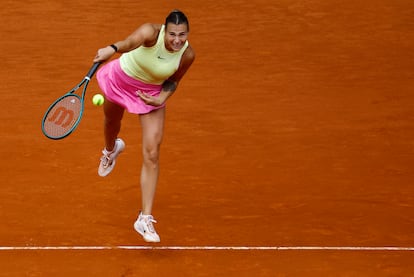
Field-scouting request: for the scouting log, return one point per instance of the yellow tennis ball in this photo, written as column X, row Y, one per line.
column 98, row 99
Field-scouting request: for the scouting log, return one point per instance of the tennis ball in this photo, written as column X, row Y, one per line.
column 98, row 99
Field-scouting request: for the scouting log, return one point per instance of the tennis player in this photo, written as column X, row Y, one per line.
column 154, row 59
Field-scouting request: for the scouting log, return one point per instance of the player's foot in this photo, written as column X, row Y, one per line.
column 146, row 229
column 109, row 157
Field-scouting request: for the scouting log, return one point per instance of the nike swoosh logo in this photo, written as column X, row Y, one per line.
column 161, row 58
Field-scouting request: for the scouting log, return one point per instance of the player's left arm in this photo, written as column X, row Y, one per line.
column 170, row 85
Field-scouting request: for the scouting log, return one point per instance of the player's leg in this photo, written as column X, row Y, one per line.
column 113, row 145
column 152, row 133
column 112, row 123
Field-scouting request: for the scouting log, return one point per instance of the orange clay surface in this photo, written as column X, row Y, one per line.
column 294, row 127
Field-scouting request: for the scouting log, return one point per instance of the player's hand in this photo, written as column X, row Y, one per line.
column 104, row 54
column 148, row 99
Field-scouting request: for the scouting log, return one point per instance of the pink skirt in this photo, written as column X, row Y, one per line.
column 119, row 88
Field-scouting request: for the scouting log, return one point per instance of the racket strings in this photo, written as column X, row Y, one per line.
column 63, row 116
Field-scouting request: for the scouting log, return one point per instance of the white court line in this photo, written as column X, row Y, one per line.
column 215, row 248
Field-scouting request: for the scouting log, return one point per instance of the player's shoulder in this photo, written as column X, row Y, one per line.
column 148, row 32
column 150, row 28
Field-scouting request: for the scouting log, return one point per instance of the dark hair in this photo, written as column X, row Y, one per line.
column 177, row 17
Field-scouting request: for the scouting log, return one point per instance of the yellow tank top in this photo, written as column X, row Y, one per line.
column 152, row 65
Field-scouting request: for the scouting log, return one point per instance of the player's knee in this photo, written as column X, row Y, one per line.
column 151, row 155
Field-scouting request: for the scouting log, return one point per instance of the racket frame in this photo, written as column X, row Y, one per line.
column 72, row 93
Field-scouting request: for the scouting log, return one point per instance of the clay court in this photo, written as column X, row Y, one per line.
column 288, row 149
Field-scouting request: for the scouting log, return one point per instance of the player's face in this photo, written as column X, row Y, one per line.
column 175, row 36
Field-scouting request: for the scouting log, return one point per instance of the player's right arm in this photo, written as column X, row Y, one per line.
column 145, row 35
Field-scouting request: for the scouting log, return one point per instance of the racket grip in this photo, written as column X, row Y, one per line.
column 93, row 69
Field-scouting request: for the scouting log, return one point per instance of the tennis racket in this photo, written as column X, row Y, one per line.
column 64, row 115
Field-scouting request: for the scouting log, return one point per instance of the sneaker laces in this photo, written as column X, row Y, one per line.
column 106, row 159
column 149, row 220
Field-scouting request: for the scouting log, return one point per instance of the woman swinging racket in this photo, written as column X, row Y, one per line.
column 154, row 59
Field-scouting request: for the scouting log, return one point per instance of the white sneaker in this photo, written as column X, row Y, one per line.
column 146, row 229
column 108, row 159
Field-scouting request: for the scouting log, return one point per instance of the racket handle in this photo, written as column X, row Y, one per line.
column 93, row 69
